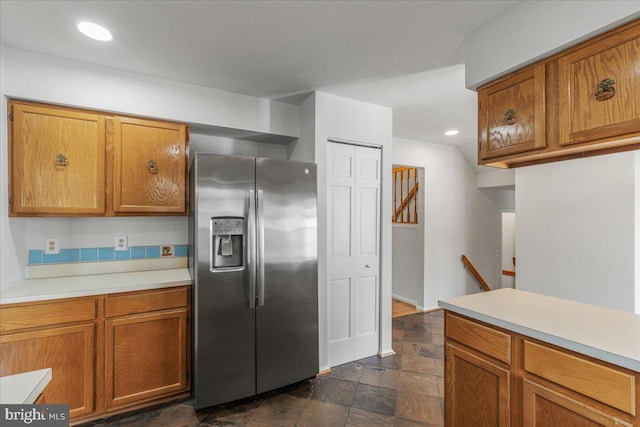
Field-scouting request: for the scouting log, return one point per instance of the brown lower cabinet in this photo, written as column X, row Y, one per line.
column 68, row 350
column 495, row 377
column 147, row 345
column 477, row 390
column 108, row 353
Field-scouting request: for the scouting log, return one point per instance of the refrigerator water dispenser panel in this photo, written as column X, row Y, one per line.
column 227, row 243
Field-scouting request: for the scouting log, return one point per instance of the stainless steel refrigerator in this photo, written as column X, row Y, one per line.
column 253, row 258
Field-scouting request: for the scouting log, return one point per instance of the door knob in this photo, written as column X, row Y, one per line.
column 367, row 265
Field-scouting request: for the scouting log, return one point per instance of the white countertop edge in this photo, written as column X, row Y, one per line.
column 50, row 289
column 597, row 353
column 24, row 388
column 92, row 292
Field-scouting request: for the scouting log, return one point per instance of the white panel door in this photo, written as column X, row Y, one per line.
column 367, row 251
column 354, row 253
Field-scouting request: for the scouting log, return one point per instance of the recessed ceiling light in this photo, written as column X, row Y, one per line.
column 451, row 132
column 94, row 31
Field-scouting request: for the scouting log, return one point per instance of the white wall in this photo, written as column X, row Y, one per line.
column 47, row 79
column 100, row 232
column 346, row 119
column 576, row 229
column 408, row 254
column 505, row 199
column 304, row 148
column 535, row 29
column 13, row 247
column 508, row 250
column 496, row 178
column 408, row 268
column 461, row 219
column 235, row 147
column 637, row 254
column 60, row 81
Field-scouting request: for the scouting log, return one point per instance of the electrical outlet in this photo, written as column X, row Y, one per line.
column 122, row 243
column 51, row 246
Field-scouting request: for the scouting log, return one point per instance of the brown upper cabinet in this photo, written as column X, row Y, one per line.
column 58, row 161
column 600, row 89
column 580, row 102
column 149, row 166
column 70, row 162
column 511, row 114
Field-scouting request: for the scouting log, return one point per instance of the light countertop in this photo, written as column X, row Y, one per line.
column 79, row 286
column 606, row 334
column 23, row 388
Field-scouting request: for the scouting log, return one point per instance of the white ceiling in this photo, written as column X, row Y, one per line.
column 403, row 54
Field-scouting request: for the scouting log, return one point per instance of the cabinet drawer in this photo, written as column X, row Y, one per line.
column 545, row 407
column 33, row 315
column 610, row 386
column 482, row 338
column 138, row 302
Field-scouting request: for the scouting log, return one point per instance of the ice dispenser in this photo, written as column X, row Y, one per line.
column 227, row 242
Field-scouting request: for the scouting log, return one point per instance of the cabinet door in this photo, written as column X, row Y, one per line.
column 57, row 161
column 150, row 165
column 477, row 391
column 599, row 89
column 69, row 351
column 511, row 114
column 146, row 357
column 544, row 407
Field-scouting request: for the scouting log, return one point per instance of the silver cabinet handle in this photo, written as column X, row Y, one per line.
column 251, row 243
column 260, row 234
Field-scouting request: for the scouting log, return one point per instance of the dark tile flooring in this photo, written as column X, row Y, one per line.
column 403, row 390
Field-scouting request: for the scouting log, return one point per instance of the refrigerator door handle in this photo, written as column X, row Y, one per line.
column 251, row 243
column 260, row 251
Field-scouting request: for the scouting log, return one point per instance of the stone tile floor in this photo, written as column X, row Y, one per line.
column 403, row 390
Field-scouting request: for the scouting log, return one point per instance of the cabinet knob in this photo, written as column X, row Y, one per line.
column 61, row 160
column 605, row 89
column 510, row 117
column 367, row 265
column 152, row 166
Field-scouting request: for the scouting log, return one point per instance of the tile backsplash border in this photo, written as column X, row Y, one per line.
column 83, row 255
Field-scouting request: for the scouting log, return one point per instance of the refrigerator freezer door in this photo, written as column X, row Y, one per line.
column 224, row 327
column 287, row 312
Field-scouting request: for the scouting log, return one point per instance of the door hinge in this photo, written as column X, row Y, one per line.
column 11, row 116
column 10, row 200
column 188, row 376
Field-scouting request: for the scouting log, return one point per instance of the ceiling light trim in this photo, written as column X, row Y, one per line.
column 94, row 31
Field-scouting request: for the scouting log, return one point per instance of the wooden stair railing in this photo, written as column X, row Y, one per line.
column 402, row 211
column 405, row 202
column 511, row 273
column 469, row 266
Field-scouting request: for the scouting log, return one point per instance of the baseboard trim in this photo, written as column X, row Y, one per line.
column 386, row 353
column 428, row 309
column 155, row 403
column 324, row 371
column 403, row 299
